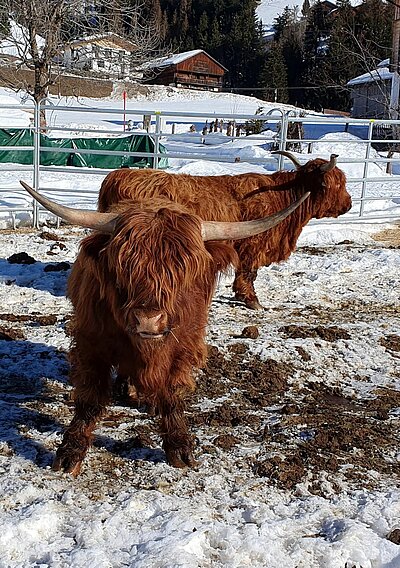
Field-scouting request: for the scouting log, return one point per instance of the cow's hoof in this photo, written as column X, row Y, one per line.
column 251, row 304
column 68, row 461
column 180, row 457
column 254, row 305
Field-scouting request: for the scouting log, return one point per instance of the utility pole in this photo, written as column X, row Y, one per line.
column 394, row 67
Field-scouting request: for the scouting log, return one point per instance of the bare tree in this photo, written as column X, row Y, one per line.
column 44, row 28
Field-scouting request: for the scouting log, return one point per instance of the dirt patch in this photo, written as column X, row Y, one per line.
column 49, row 319
column 17, row 385
column 331, row 333
column 391, row 237
column 313, row 250
column 390, row 342
column 317, row 430
column 21, row 258
column 247, row 380
column 49, row 236
column 226, row 442
column 303, row 353
column 394, row 536
column 57, row 267
column 250, row 332
column 330, row 432
column 285, row 471
column 10, row 334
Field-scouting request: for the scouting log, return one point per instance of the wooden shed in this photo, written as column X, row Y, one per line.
column 192, row 69
column 370, row 92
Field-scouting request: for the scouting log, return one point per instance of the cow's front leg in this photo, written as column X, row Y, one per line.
column 243, row 287
column 92, row 394
column 177, row 442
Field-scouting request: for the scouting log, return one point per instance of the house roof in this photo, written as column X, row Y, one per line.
column 16, row 43
column 381, row 73
column 178, row 58
column 108, row 40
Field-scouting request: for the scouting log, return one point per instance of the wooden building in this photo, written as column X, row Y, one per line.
column 107, row 53
column 370, row 92
column 192, row 69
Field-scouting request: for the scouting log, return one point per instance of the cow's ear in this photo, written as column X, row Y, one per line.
column 94, row 244
column 223, row 255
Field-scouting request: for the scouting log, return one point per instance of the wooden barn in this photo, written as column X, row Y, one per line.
column 192, row 69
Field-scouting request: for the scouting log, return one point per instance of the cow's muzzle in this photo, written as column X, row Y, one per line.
column 149, row 325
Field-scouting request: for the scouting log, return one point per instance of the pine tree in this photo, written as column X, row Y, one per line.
column 274, row 75
column 316, row 37
column 290, row 37
column 373, row 29
column 4, row 22
column 202, row 32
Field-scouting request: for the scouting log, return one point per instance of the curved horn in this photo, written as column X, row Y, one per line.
column 85, row 218
column 223, row 231
column 330, row 165
column 288, row 155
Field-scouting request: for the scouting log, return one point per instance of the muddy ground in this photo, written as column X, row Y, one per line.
column 275, row 419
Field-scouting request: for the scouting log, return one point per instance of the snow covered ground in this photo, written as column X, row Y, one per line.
column 295, row 419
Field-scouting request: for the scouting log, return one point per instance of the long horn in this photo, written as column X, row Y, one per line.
column 288, row 155
column 223, row 231
column 330, row 165
column 83, row 217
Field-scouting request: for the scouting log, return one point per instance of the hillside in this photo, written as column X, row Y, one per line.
column 268, row 10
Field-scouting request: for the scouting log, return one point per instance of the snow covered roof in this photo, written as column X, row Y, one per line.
column 178, row 58
column 381, row 73
column 108, row 40
column 16, row 43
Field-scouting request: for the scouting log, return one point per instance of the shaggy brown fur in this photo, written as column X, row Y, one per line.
column 141, row 298
column 223, row 198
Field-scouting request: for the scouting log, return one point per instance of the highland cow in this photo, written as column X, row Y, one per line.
column 141, row 288
column 240, row 198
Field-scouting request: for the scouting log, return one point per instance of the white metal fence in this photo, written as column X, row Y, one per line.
column 185, row 143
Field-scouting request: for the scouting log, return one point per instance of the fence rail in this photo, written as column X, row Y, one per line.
column 162, row 126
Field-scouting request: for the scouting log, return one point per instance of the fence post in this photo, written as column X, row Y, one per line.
column 366, row 164
column 36, row 162
column 283, row 137
column 157, row 135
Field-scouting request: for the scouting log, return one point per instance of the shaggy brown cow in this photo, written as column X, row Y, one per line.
column 141, row 289
column 222, row 198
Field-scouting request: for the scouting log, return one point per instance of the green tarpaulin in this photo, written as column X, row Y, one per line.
column 141, row 143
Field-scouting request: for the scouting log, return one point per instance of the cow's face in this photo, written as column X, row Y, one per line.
column 337, row 200
column 158, row 260
column 331, row 197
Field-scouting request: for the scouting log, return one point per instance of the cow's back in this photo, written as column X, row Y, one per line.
column 210, row 197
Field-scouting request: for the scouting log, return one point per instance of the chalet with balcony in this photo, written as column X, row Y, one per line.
column 191, row 69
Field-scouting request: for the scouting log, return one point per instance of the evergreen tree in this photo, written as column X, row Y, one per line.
column 4, row 22
column 341, row 60
column 290, row 37
column 305, row 9
column 274, row 75
column 373, row 29
column 316, row 37
column 214, row 38
column 202, row 33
